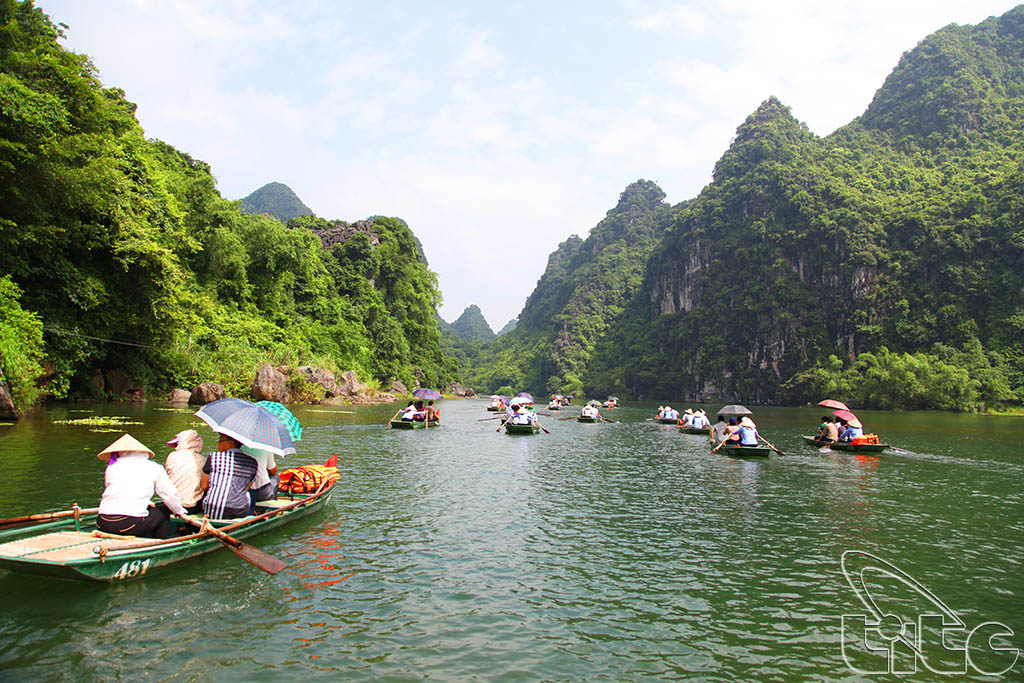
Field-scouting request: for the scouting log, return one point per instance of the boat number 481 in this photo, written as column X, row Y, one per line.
column 132, row 569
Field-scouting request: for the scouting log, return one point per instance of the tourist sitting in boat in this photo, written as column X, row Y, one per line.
column 129, row 483
column 671, row 413
column 409, row 412
column 421, row 412
column 660, row 414
column 700, row 420
column 432, row 413
column 829, row 432
column 688, row 417
column 184, row 467
column 748, row 432
column 522, row 416
column 732, row 432
column 590, row 410
column 720, row 428
column 852, row 430
column 226, row 478
column 264, row 486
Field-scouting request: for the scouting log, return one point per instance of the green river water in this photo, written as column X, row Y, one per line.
column 598, row 551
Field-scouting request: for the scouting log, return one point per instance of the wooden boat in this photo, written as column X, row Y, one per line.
column 847, row 446
column 531, row 428
column 666, row 420
column 703, row 431
column 72, row 548
column 587, row 418
column 495, row 409
column 414, row 424
column 745, row 451
column 554, row 406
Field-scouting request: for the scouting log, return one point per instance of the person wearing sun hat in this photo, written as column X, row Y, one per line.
column 129, row 484
column 748, row 432
column 853, row 429
column 184, row 467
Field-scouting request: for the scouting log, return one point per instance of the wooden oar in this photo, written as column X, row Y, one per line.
column 541, row 426
column 571, row 417
column 44, row 517
column 715, row 449
column 770, row 445
column 502, row 424
column 252, row 555
column 393, row 417
column 486, row 419
column 607, row 420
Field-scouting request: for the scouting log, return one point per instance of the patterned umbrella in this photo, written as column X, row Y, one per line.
column 290, row 421
column 428, row 394
column 252, row 425
column 523, row 394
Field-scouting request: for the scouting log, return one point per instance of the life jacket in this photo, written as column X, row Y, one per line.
column 309, row 478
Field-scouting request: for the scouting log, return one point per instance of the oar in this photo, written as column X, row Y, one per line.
column 541, row 426
column 502, row 424
column 770, row 445
column 393, row 417
column 715, row 449
column 607, row 420
column 571, row 417
column 485, row 419
column 45, row 517
column 252, row 555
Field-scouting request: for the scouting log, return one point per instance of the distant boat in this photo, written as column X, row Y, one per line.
column 847, row 446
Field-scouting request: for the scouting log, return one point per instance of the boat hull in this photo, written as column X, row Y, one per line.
column 666, row 421
column 495, row 409
column 413, row 424
column 522, row 429
column 587, row 418
column 695, row 430
column 80, row 562
column 848, row 447
column 745, row 451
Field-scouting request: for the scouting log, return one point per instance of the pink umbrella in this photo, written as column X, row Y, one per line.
column 848, row 417
column 829, row 403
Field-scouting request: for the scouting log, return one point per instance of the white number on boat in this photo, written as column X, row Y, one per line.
column 132, row 569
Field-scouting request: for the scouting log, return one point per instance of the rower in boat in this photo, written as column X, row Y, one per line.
column 700, row 420
column 688, row 417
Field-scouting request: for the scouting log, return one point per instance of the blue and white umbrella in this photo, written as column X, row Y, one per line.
column 249, row 424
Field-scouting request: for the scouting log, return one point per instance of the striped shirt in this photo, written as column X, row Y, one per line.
column 230, row 472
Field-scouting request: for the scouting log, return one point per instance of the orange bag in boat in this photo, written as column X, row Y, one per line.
column 309, row 478
column 866, row 439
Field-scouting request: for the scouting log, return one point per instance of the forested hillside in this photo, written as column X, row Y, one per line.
column 883, row 263
column 471, row 325
column 118, row 253
column 276, row 199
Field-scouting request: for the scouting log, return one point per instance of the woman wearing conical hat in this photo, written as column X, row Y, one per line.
column 130, row 482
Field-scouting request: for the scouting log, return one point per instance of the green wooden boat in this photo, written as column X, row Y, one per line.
column 496, row 409
column 703, row 431
column 666, row 420
column 521, row 429
column 847, row 446
column 414, row 424
column 71, row 549
column 587, row 418
column 745, row 451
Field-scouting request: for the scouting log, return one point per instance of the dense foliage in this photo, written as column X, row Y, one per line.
column 471, row 326
column 276, row 199
column 125, row 251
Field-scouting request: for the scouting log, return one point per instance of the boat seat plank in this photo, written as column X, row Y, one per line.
column 61, row 546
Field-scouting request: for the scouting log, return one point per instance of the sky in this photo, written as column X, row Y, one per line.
column 494, row 129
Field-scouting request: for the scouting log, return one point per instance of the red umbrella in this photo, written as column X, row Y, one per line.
column 829, row 403
column 848, row 417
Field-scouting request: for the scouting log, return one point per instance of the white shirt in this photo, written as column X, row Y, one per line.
column 265, row 461
column 130, row 483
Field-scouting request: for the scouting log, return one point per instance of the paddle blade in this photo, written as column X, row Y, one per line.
column 255, row 556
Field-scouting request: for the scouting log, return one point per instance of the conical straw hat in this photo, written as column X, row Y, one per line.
column 126, row 444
